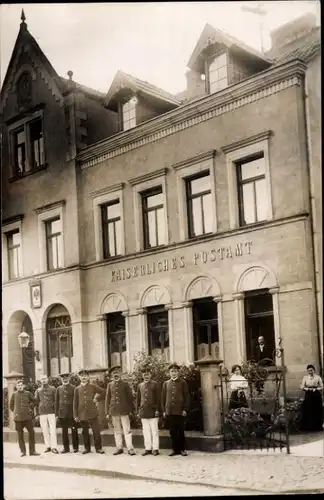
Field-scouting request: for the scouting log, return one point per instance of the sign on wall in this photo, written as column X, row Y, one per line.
column 36, row 295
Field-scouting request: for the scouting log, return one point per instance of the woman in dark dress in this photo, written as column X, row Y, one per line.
column 237, row 386
column 312, row 408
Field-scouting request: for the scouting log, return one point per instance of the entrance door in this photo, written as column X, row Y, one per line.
column 28, row 353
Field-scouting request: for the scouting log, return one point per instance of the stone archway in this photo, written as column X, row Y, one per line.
column 21, row 360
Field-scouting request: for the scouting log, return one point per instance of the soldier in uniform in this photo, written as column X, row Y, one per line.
column 22, row 405
column 175, row 404
column 119, row 404
column 45, row 411
column 64, row 413
column 85, row 411
column 148, row 402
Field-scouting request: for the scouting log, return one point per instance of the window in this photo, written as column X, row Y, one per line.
column 153, row 218
column 218, row 74
column 158, row 331
column 53, row 243
column 252, row 191
column 205, row 325
column 14, row 253
column 199, row 203
column 116, row 336
column 28, row 146
column 111, row 229
column 259, row 322
column 129, row 114
column 59, row 341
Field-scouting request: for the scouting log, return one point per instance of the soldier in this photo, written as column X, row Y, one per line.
column 175, row 404
column 45, row 411
column 85, row 411
column 64, row 413
column 148, row 404
column 22, row 404
column 119, row 404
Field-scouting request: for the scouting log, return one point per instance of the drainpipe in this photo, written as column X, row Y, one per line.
column 313, row 222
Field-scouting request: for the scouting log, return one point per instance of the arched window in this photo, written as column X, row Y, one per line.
column 59, row 341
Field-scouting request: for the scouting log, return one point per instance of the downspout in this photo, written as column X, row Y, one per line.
column 313, row 222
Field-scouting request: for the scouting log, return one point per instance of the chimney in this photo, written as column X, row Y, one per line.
column 195, row 84
column 293, row 30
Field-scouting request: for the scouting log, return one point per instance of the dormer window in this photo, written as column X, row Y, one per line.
column 217, row 73
column 129, row 114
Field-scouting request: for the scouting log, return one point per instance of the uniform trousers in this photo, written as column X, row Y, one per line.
column 176, row 429
column 151, row 433
column 95, row 426
column 31, row 435
column 66, row 424
column 121, row 423
column 48, row 425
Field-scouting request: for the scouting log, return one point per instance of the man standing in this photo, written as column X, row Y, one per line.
column 64, row 413
column 148, row 402
column 264, row 353
column 22, row 404
column 85, row 411
column 119, row 404
column 45, row 411
column 175, row 405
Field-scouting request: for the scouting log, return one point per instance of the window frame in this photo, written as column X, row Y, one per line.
column 24, row 124
column 8, row 228
column 145, row 214
column 189, row 201
column 241, row 183
column 131, row 121
column 184, row 170
column 247, row 316
column 116, row 333
column 102, row 197
column 105, row 221
column 149, row 312
column 47, row 214
column 236, row 153
column 209, row 62
column 208, row 322
column 58, row 338
column 49, row 238
column 145, row 183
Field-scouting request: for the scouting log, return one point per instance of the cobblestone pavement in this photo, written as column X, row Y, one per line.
column 33, row 484
column 263, row 472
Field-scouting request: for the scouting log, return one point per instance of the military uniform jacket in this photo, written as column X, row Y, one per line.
column 64, row 401
column 45, row 400
column 175, row 397
column 148, row 399
column 22, row 405
column 84, row 407
column 119, row 398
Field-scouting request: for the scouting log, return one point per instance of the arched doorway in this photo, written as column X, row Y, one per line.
column 21, row 359
column 59, row 340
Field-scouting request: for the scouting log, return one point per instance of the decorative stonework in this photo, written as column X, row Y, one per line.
column 114, row 302
column 155, row 296
column 148, row 177
column 256, row 278
column 202, row 287
column 215, row 109
column 110, row 189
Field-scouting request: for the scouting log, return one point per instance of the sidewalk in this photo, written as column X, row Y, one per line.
column 262, row 472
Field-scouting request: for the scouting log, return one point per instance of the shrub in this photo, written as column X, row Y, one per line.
column 242, row 423
column 255, row 374
column 5, row 421
column 160, row 374
column 294, row 416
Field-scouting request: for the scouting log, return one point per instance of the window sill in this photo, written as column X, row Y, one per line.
column 17, row 177
column 200, row 237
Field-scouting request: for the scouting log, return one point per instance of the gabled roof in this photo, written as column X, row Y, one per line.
column 26, row 42
column 210, row 36
column 87, row 90
column 123, row 83
column 301, row 48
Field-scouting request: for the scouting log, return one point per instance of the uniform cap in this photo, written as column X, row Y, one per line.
column 82, row 371
column 114, row 369
column 64, row 375
column 174, row 365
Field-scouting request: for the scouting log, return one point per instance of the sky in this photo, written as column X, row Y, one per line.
column 152, row 41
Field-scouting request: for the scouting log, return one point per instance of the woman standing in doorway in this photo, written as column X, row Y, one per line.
column 312, row 409
column 237, row 386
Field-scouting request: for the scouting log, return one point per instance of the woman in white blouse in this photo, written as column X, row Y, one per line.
column 312, row 409
column 237, row 384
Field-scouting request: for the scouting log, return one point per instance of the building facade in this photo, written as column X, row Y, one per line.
column 180, row 225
